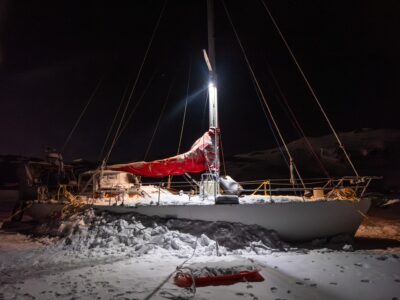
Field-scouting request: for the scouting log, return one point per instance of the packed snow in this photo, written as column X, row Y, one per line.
column 105, row 256
column 134, row 234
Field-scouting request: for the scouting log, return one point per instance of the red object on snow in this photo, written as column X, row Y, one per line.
column 198, row 159
column 185, row 280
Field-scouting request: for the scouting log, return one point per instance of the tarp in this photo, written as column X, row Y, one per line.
column 198, row 159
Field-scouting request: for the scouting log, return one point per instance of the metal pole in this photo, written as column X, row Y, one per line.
column 159, row 194
column 212, row 88
column 211, row 37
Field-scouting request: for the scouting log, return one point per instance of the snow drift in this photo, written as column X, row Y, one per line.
column 103, row 234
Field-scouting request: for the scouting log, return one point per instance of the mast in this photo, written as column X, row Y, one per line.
column 211, row 37
column 212, row 86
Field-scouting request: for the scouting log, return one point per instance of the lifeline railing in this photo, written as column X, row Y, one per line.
column 269, row 187
column 348, row 188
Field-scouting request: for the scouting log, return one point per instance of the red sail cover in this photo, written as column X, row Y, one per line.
column 198, row 159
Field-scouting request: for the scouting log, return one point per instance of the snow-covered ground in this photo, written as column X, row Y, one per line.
column 133, row 257
column 315, row 275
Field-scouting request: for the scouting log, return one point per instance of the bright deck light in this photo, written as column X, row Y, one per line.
column 212, row 93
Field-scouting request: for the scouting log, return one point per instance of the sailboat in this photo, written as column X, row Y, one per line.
column 307, row 211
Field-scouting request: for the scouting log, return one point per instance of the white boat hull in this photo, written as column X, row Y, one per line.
column 293, row 221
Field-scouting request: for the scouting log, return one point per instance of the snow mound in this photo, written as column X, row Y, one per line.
column 102, row 234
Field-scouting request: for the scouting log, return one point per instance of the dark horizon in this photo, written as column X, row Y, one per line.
column 53, row 55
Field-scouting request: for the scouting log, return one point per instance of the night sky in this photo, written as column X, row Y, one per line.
column 53, row 54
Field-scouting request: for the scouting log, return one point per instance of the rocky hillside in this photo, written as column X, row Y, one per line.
column 373, row 152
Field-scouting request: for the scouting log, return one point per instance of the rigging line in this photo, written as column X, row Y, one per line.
column 159, row 119
column 297, row 124
column 94, row 92
column 184, row 117
column 222, row 151
column 203, row 118
column 184, row 111
column 128, row 119
column 262, row 94
column 278, row 98
column 114, row 120
column 270, row 125
column 136, row 81
column 130, row 115
column 310, row 88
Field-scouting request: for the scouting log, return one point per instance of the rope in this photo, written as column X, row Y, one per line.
column 114, row 120
column 135, row 83
column 74, row 204
column 94, row 92
column 342, row 193
column 203, row 118
column 310, row 88
column 159, row 119
column 296, row 122
column 136, row 105
column 222, row 152
column 270, row 125
column 130, row 115
column 184, row 111
column 183, row 119
column 179, row 267
column 262, row 94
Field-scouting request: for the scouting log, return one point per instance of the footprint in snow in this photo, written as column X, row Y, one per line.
column 313, row 285
column 381, row 258
column 299, row 283
column 273, row 289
